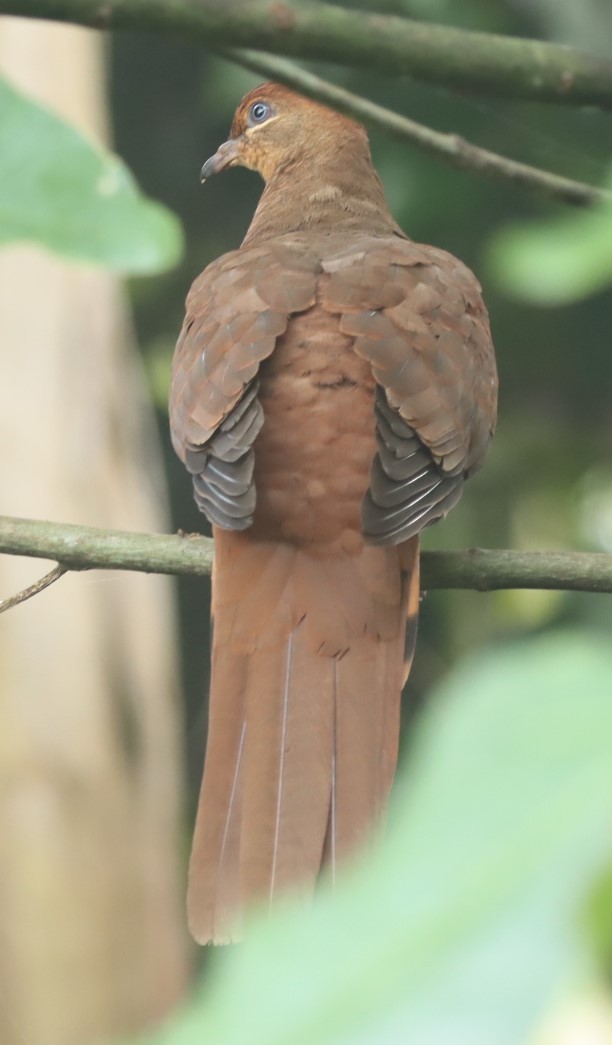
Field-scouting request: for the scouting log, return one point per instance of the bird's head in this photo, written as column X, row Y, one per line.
column 274, row 127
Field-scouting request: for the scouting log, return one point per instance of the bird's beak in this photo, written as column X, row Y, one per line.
column 225, row 156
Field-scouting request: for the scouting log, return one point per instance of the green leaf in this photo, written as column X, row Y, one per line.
column 598, row 922
column 557, row 262
column 59, row 190
column 466, row 923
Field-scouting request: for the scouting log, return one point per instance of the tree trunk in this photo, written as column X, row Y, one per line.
column 91, row 918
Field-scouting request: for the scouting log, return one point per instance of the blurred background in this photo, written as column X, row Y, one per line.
column 104, row 677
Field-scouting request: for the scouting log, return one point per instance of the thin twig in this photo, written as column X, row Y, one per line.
column 39, row 585
column 485, row 63
column 479, row 569
column 453, row 148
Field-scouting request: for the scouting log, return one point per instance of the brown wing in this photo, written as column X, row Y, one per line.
column 236, row 310
column 417, row 315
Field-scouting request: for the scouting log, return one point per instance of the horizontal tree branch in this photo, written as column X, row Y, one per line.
column 450, row 147
column 87, row 548
column 83, row 548
column 493, row 569
column 457, row 58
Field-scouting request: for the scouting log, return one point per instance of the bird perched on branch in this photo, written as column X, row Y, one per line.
column 333, row 385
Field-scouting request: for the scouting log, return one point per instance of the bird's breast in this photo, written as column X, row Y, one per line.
column 314, row 452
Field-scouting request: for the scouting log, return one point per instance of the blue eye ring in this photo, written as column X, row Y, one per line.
column 259, row 112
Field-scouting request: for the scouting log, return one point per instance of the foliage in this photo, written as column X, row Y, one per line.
column 556, row 262
column 60, row 191
column 469, row 921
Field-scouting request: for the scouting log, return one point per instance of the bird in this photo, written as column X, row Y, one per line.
column 333, row 385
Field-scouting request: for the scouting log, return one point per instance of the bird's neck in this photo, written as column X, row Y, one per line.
column 321, row 196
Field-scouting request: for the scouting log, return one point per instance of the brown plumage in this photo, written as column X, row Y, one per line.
column 333, row 385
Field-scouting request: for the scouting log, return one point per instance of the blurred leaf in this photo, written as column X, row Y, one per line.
column 527, row 608
column 599, row 921
column 555, row 262
column 59, row 190
column 158, row 362
column 465, row 924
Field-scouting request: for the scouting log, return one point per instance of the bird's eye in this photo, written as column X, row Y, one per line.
column 259, row 112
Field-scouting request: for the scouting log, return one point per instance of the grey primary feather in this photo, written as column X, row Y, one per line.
column 223, row 467
column 408, row 489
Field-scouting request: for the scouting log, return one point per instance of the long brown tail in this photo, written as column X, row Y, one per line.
column 310, row 653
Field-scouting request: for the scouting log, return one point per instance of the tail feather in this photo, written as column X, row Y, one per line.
column 412, row 588
column 304, row 723
column 367, row 693
column 287, row 765
column 213, row 895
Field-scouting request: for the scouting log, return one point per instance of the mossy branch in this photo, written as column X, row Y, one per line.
column 456, row 58
column 479, row 569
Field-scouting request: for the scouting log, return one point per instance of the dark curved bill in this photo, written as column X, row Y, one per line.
column 225, row 156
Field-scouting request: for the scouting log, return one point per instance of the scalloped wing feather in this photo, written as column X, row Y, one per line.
column 236, row 311
column 417, row 316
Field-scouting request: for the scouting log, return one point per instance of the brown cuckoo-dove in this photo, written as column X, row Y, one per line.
column 333, row 385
